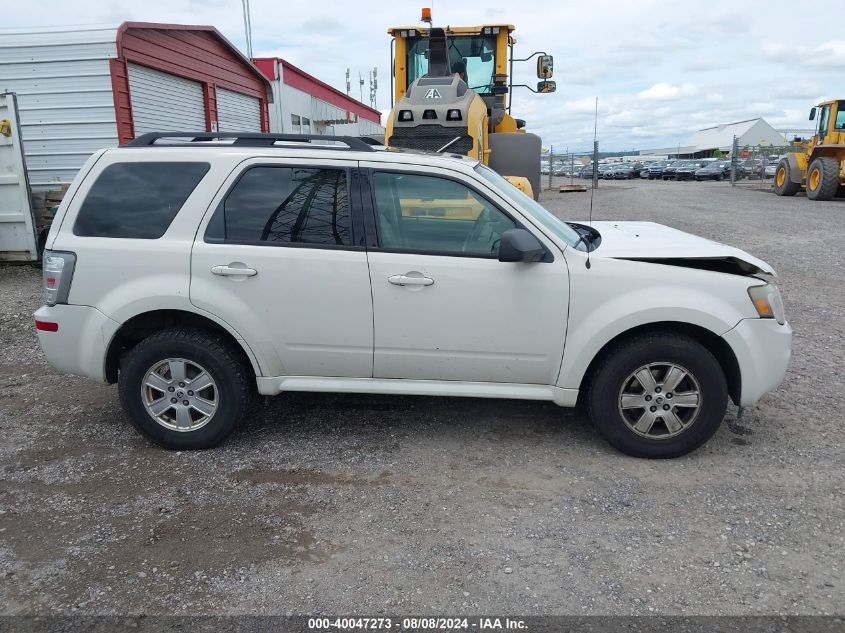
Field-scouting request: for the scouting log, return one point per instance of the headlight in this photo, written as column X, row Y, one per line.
column 767, row 302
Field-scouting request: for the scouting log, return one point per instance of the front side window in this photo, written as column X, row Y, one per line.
column 530, row 206
column 436, row 215
column 285, row 205
column 823, row 120
column 137, row 200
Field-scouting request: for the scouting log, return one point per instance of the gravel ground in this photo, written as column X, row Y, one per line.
column 371, row 504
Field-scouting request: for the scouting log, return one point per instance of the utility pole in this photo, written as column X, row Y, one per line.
column 734, row 159
column 247, row 28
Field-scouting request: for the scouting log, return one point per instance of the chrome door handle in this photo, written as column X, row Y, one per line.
column 231, row 271
column 406, row 280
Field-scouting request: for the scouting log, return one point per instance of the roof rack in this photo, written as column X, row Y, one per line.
column 249, row 139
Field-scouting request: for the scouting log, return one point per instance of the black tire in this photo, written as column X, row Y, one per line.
column 718, row 177
column 783, row 173
column 613, row 371
column 517, row 154
column 828, row 181
column 213, row 353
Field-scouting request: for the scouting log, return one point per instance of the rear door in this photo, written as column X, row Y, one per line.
column 282, row 260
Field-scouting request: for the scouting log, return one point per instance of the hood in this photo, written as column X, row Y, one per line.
column 647, row 241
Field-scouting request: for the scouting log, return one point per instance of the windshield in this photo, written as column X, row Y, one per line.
column 530, row 206
column 471, row 56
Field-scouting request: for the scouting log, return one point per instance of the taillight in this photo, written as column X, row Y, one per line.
column 57, row 275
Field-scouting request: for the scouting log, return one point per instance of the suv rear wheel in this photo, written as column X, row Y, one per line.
column 658, row 395
column 184, row 388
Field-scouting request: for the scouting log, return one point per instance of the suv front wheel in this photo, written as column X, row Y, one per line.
column 184, row 388
column 658, row 395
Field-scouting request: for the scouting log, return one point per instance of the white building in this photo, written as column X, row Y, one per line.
column 302, row 104
column 704, row 142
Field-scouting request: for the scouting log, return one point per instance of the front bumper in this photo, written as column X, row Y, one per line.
column 762, row 348
column 79, row 345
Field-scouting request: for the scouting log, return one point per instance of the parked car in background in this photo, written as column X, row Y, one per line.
column 714, row 171
column 622, row 172
column 688, row 169
column 259, row 244
column 754, row 168
column 668, row 172
column 606, row 170
column 771, row 168
column 644, row 172
column 655, row 170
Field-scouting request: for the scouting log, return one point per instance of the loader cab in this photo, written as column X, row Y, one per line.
column 830, row 122
column 478, row 54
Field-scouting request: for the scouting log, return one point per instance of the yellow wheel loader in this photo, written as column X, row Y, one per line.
column 451, row 94
column 820, row 167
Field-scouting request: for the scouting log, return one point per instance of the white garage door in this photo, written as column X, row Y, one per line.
column 164, row 102
column 237, row 112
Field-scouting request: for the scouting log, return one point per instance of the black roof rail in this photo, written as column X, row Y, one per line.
column 248, row 139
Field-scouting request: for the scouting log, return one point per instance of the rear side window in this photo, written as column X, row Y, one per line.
column 137, row 200
column 285, row 205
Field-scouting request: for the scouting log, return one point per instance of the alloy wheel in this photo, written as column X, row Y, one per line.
column 180, row 394
column 660, row 400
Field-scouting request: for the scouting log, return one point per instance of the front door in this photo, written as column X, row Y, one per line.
column 278, row 261
column 444, row 306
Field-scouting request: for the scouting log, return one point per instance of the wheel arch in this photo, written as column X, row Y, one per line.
column 712, row 341
column 141, row 325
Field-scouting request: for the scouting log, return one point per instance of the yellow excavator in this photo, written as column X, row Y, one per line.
column 820, row 165
column 451, row 93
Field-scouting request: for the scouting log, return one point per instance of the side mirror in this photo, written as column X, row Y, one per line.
column 546, row 86
column 545, row 66
column 812, row 113
column 518, row 245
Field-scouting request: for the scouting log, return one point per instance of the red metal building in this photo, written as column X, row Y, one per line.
column 199, row 54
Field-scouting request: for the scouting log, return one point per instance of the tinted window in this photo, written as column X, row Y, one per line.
column 436, row 215
column 137, row 200
column 287, row 205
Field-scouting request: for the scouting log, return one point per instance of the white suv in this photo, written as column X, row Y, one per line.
column 193, row 268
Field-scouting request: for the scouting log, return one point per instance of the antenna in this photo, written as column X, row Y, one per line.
column 348, row 85
column 595, row 167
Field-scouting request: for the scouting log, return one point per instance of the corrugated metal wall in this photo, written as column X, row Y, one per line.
column 61, row 77
column 164, row 102
column 237, row 112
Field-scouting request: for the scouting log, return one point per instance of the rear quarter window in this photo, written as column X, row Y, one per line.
column 137, row 200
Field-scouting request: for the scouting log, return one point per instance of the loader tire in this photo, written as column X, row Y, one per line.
column 517, row 154
column 823, row 179
column 784, row 186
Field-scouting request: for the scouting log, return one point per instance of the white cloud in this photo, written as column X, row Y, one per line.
column 667, row 92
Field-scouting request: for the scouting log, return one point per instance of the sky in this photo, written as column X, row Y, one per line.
column 661, row 69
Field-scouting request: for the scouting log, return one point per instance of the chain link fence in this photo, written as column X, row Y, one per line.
column 756, row 164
